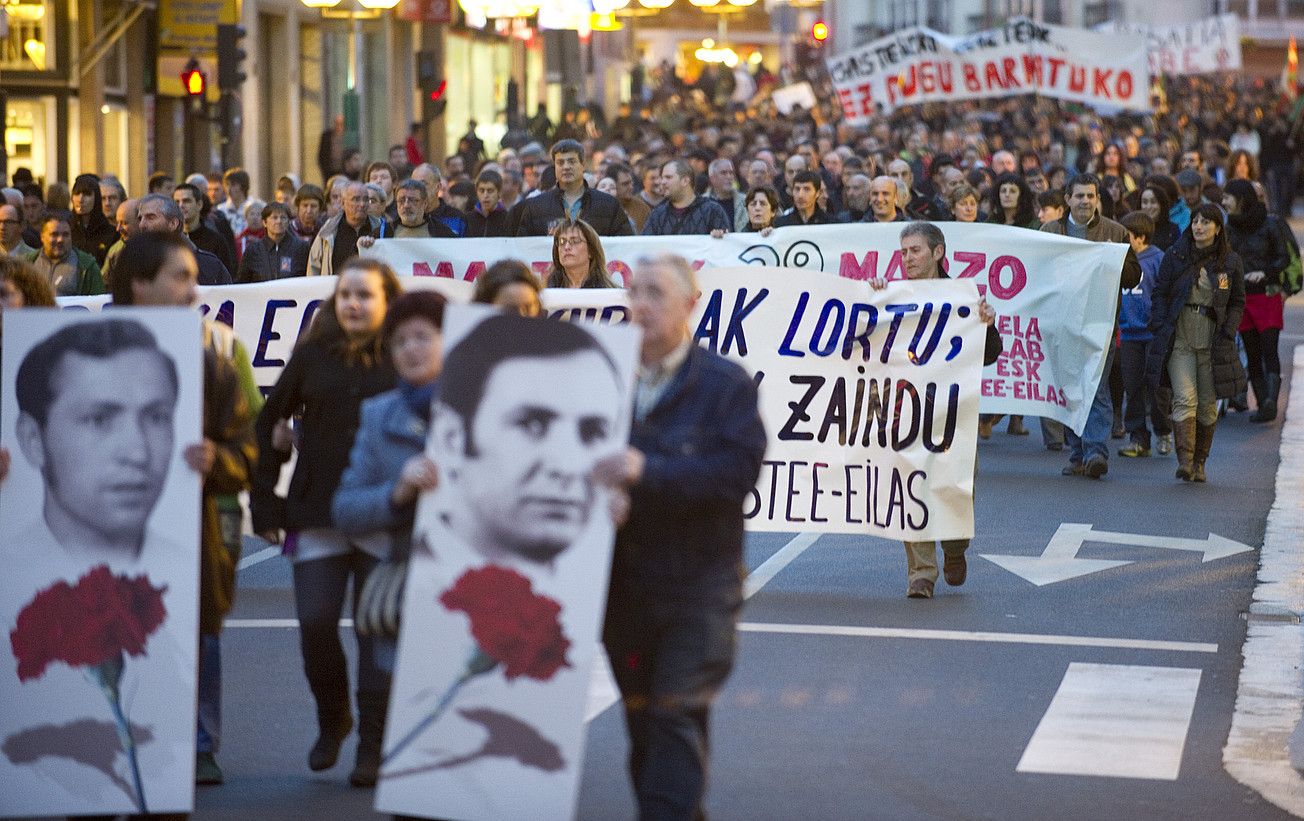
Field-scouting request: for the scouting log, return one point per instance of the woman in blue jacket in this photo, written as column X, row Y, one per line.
column 387, row 470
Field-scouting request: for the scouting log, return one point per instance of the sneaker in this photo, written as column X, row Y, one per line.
column 1096, row 466
column 920, row 589
column 955, row 569
column 1134, row 450
column 1073, row 469
column 206, row 770
column 1165, row 444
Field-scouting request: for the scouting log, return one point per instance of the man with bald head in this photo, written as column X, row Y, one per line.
column 127, row 221
column 883, row 201
column 915, row 204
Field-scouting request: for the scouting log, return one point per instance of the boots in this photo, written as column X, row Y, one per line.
column 372, row 707
column 333, row 726
column 1203, row 443
column 1267, row 398
column 1184, row 445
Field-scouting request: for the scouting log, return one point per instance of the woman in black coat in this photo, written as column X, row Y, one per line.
column 337, row 364
column 1195, row 309
column 1264, row 256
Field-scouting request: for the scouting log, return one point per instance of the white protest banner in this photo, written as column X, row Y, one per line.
column 99, row 539
column 1056, row 296
column 797, row 94
column 919, row 65
column 487, row 713
column 1198, row 47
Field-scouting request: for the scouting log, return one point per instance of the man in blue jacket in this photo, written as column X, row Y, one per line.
column 676, row 582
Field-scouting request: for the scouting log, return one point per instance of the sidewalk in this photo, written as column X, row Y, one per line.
column 1266, row 743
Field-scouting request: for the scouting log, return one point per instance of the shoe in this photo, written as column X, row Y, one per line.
column 955, row 569
column 331, row 734
column 920, row 589
column 1203, row 444
column 1134, row 450
column 1074, row 469
column 1096, row 466
column 1184, row 446
column 984, row 429
column 1016, row 428
column 1118, row 431
column 1165, row 444
column 207, row 772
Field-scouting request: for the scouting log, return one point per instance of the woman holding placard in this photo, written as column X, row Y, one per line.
column 337, row 364
column 378, row 492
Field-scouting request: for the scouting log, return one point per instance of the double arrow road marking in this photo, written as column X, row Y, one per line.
column 1059, row 561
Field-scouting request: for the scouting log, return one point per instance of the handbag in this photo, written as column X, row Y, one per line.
column 381, row 600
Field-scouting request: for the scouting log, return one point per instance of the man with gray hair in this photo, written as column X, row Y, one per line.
column 159, row 214
column 127, row 221
column 338, row 240
column 695, row 453
column 11, row 233
column 722, row 176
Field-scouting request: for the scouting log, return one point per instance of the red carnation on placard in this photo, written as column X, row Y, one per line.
column 93, row 624
column 512, row 626
column 98, row 619
column 510, row 622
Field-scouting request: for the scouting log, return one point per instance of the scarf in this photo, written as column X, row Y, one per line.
column 418, row 397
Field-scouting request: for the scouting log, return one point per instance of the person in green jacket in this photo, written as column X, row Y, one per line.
column 69, row 270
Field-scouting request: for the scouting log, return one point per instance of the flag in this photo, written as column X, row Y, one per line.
column 1290, row 71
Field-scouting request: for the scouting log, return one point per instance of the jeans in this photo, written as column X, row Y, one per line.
column 1094, row 440
column 209, row 736
column 670, row 658
column 1140, row 399
column 319, row 589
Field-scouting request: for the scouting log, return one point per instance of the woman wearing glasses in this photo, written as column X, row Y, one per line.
column 577, row 257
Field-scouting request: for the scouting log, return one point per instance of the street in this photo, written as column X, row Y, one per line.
column 1103, row 695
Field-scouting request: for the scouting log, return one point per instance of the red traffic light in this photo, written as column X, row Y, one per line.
column 820, row 31
column 437, row 93
column 193, row 80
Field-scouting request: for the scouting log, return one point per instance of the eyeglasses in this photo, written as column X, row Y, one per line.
column 567, row 242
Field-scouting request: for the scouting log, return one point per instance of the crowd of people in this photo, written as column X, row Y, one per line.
column 1200, row 192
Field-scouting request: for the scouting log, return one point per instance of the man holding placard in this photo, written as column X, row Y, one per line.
column 676, row 584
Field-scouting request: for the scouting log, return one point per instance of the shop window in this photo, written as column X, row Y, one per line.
column 29, row 45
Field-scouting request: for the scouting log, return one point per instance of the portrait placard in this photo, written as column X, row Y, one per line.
column 99, row 538
column 507, row 581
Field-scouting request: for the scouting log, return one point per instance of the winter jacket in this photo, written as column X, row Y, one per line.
column 265, row 260
column 89, row 280
column 1134, row 307
column 1172, row 289
column 320, row 255
column 493, row 224
column 1258, row 244
column 602, row 211
column 701, row 216
column 327, row 391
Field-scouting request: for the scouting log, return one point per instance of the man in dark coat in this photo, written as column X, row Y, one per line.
column 572, row 198
column 676, row 585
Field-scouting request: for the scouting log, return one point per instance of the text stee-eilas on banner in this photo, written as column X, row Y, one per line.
column 870, row 398
column 920, row 65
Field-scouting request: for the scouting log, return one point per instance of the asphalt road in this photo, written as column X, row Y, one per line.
column 994, row 700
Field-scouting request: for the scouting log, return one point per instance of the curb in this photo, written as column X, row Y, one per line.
column 1270, row 693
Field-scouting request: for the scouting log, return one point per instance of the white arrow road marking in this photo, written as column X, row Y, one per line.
column 1059, row 561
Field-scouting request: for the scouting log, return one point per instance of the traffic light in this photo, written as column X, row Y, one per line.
column 432, row 84
column 230, row 57
column 193, row 80
column 820, row 31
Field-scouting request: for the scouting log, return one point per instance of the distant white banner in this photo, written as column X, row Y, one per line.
column 1199, row 47
column 919, row 65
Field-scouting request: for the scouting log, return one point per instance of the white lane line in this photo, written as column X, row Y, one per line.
column 1117, row 721
column 261, row 556
column 968, row 635
column 1270, row 691
column 772, row 566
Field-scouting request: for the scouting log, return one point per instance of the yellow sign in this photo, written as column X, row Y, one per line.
column 191, row 25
